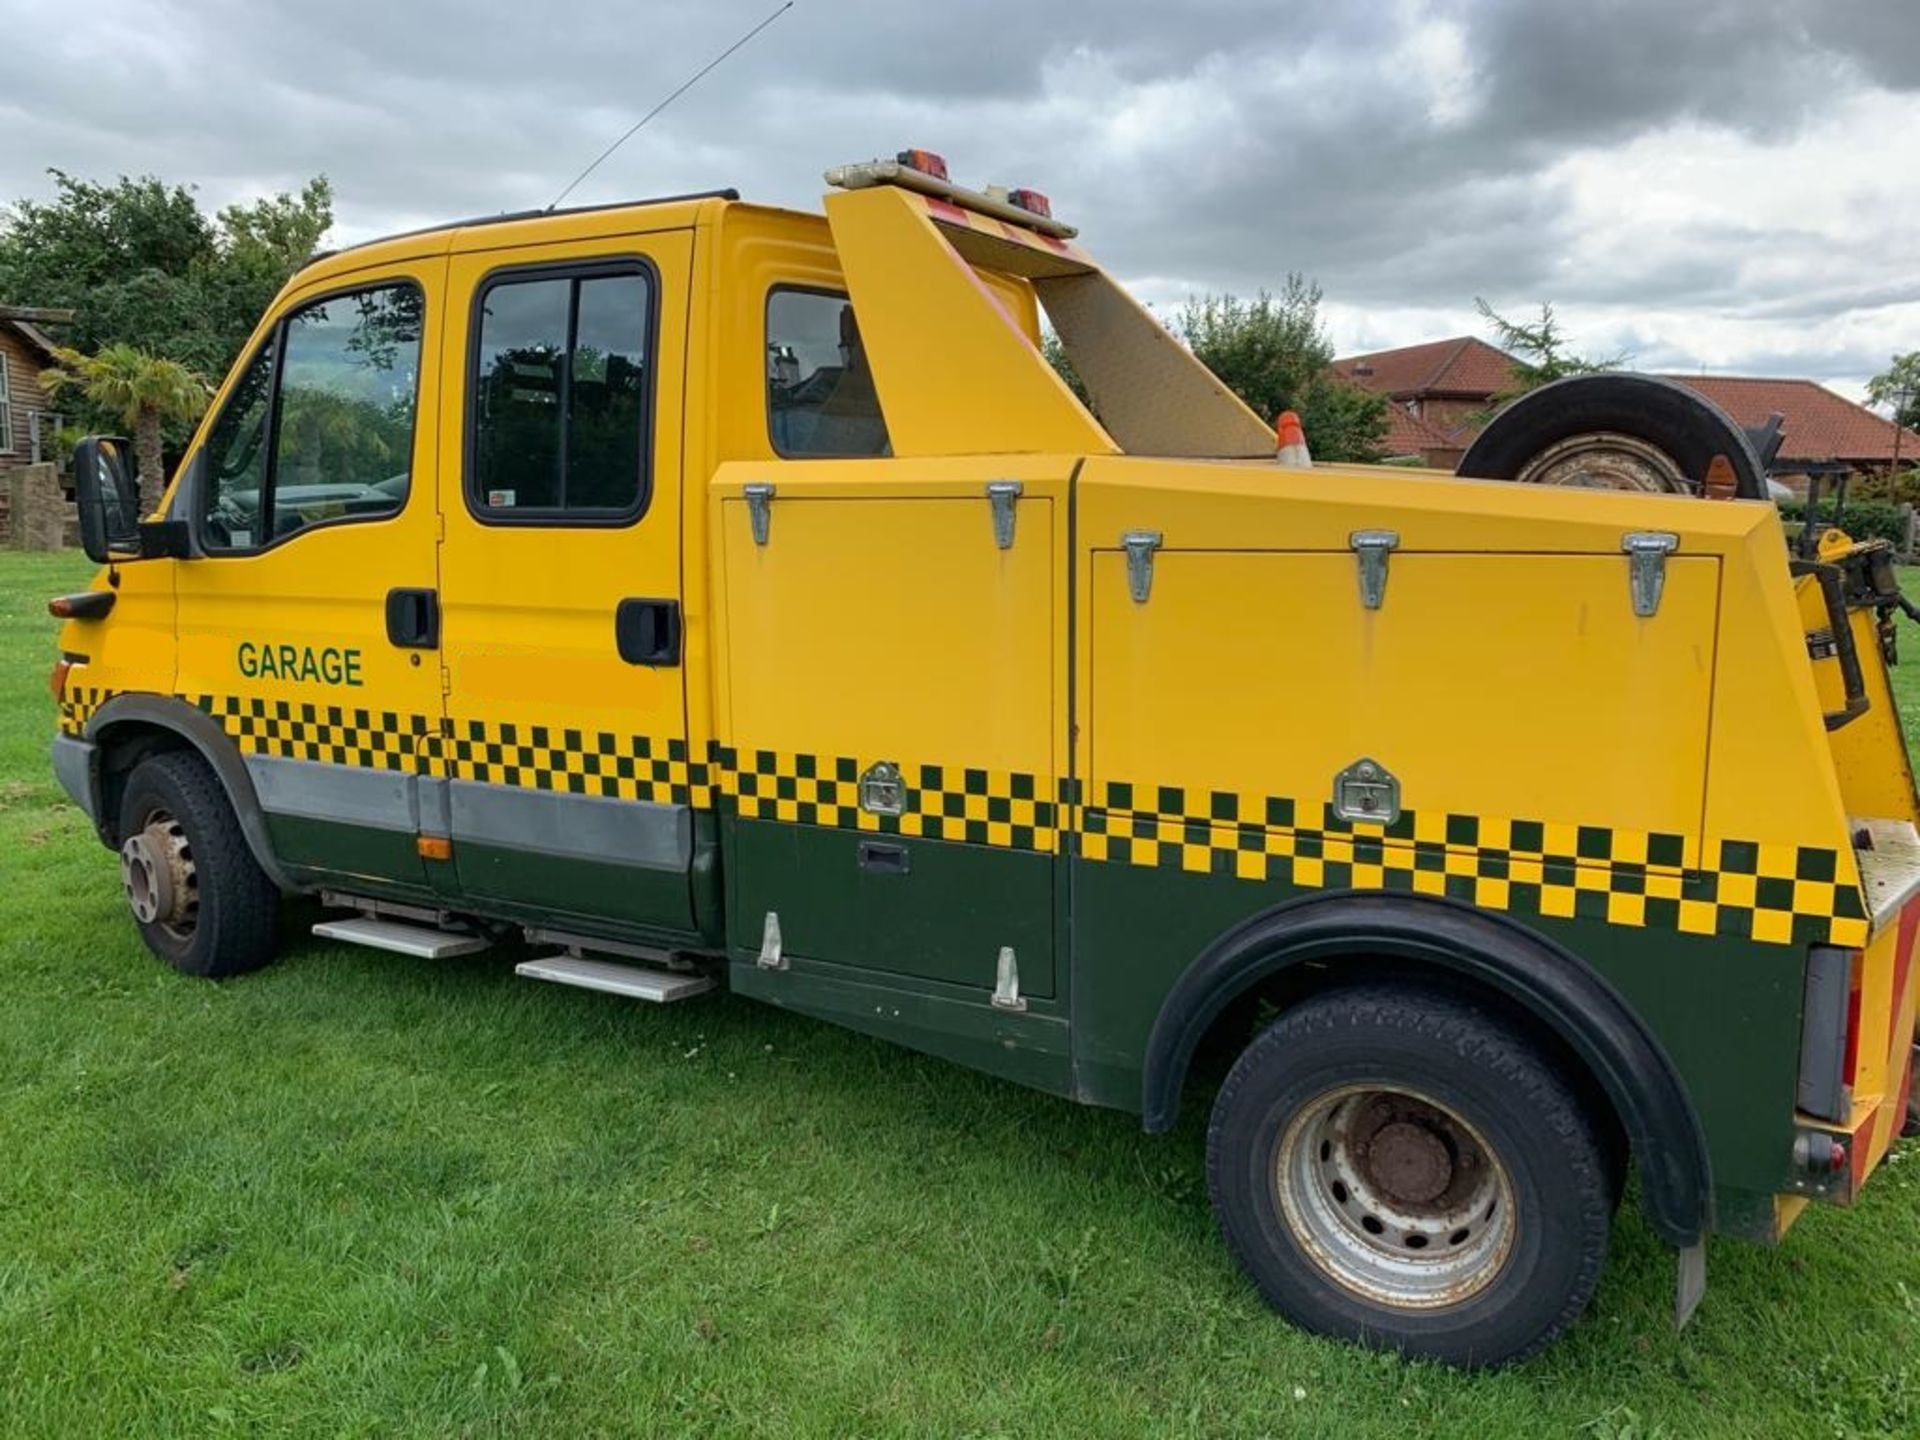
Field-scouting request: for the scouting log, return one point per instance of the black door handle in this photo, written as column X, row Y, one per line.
column 647, row 632
column 881, row 858
column 413, row 619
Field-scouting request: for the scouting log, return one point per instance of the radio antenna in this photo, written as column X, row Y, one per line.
column 695, row 79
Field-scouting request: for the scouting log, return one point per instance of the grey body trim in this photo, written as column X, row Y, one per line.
column 215, row 746
column 584, row 827
column 345, row 794
column 75, row 765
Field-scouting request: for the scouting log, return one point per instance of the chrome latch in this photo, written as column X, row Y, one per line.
column 1006, row 982
column 1140, row 545
column 1366, row 790
column 1002, row 495
column 771, row 955
column 759, row 509
column 1647, row 552
column 882, row 791
column 1373, row 547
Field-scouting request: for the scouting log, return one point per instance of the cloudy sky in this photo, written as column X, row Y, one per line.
column 1731, row 185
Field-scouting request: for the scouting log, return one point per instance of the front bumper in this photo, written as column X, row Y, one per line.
column 76, row 766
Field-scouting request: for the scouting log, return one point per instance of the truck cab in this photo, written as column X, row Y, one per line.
column 715, row 595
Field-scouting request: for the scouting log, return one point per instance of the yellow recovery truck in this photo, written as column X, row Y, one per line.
column 717, row 595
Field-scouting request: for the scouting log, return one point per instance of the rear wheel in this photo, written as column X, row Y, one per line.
column 200, row 899
column 1392, row 1166
column 1619, row 432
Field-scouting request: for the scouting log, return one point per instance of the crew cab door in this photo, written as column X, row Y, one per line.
column 315, row 500
column 569, row 789
column 891, row 712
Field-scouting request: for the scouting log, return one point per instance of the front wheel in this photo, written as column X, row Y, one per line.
column 1392, row 1166
column 200, row 899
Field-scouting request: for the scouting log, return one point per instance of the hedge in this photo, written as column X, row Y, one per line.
column 1862, row 519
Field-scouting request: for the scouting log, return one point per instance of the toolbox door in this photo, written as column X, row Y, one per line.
column 1493, row 688
column 891, row 636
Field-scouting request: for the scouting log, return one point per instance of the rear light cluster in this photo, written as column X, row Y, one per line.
column 57, row 681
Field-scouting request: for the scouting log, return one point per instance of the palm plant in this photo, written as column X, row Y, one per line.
column 141, row 390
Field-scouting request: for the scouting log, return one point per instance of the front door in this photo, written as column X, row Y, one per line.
column 317, row 499
column 569, row 791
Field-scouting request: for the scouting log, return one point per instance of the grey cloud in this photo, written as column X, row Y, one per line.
column 1295, row 137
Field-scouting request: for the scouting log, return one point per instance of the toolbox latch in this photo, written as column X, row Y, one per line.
column 1367, row 791
column 759, row 509
column 1003, row 495
column 1372, row 547
column 882, row 789
column 1140, row 545
column 1647, row 552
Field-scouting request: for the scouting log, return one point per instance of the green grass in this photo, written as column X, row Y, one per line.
column 366, row 1195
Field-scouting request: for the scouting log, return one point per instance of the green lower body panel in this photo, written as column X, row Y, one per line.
column 1029, row 1047
column 567, row 885
column 348, row 852
column 894, row 905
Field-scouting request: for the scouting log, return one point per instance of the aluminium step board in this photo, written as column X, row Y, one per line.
column 659, row 986
column 420, row 941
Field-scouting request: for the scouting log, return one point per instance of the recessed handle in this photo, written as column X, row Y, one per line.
column 880, row 858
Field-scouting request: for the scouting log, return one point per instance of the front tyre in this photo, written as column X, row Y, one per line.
column 200, row 899
column 1392, row 1166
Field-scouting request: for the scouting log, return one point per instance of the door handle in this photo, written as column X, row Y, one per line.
column 880, row 858
column 647, row 632
column 413, row 619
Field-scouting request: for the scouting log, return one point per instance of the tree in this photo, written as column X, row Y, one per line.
column 1055, row 350
column 1540, row 350
column 1898, row 388
column 145, row 268
column 1273, row 352
column 141, row 391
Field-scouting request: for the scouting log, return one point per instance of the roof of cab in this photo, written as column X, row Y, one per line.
column 460, row 234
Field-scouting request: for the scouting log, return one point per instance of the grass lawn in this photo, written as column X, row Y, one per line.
column 359, row 1194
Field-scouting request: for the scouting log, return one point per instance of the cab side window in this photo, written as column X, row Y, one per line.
column 319, row 426
column 562, row 390
column 820, row 395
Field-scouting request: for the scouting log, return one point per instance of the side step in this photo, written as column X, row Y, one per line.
column 419, row 941
column 659, row 986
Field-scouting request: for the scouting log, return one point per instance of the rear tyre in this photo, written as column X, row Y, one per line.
column 1392, row 1167
column 1618, row 432
column 199, row 898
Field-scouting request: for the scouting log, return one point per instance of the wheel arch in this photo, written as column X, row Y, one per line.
column 128, row 728
column 1309, row 945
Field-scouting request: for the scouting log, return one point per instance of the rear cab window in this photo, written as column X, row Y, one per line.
column 821, row 399
column 562, row 394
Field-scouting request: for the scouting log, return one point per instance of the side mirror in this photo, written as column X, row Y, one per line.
column 107, row 497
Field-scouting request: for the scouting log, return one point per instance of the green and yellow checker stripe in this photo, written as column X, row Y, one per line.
column 1770, row 893
column 941, row 802
column 578, row 762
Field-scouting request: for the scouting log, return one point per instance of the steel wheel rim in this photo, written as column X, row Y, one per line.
column 1394, row 1197
column 158, row 876
column 1606, row 460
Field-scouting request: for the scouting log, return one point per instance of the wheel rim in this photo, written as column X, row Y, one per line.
column 158, row 876
column 1607, row 461
column 1395, row 1197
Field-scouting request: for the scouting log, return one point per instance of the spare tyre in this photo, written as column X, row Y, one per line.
column 1618, row 431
